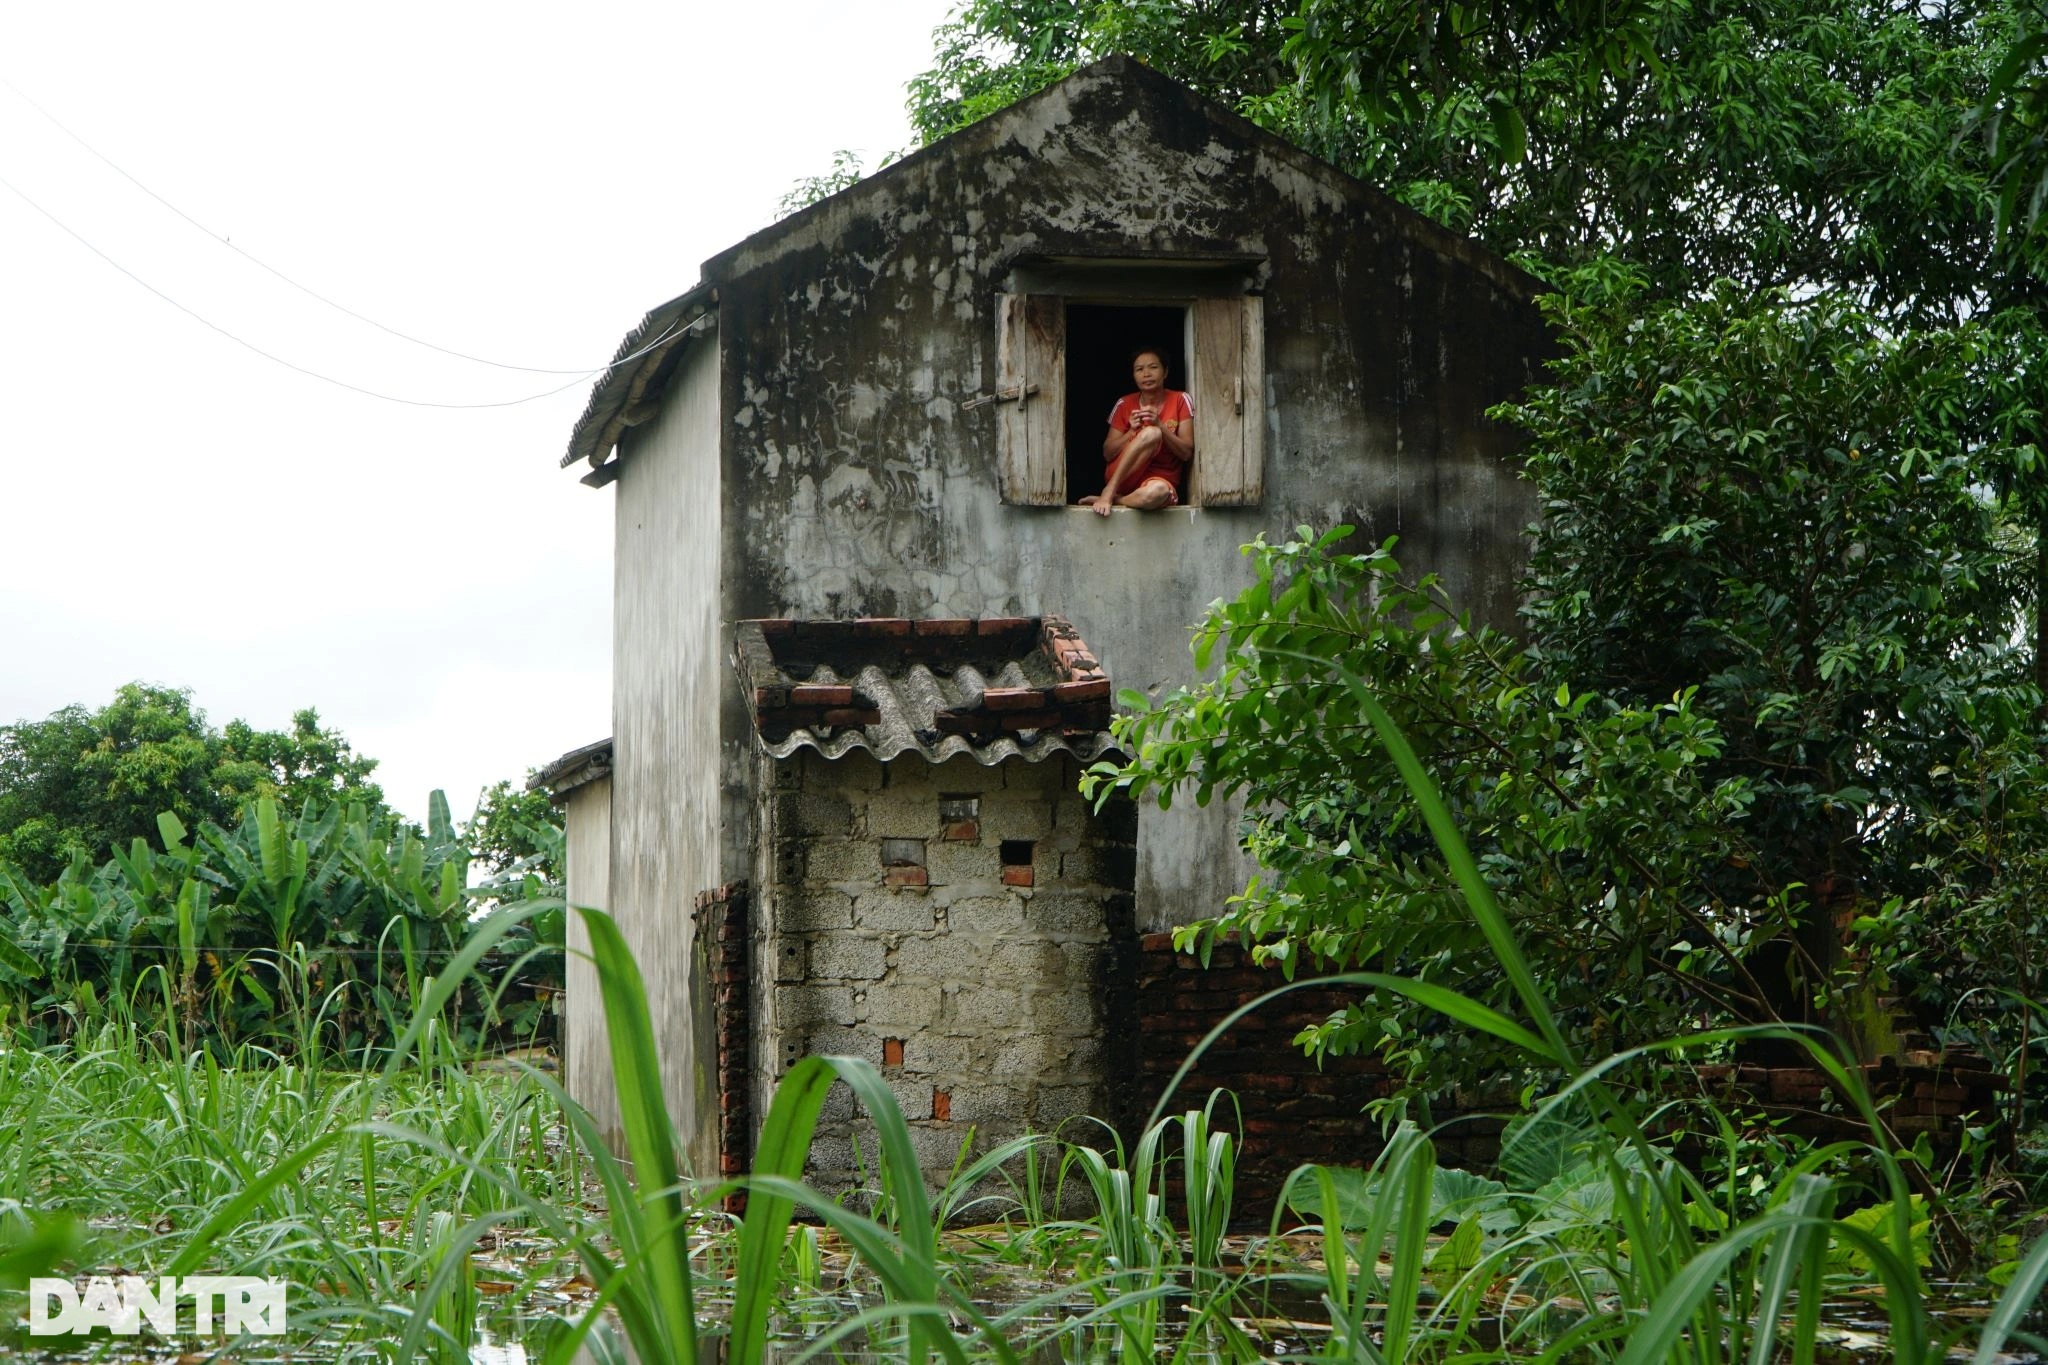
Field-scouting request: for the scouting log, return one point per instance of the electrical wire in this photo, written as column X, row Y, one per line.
column 315, row 374
column 225, row 241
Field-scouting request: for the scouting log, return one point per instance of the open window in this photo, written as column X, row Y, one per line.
column 1100, row 339
column 1064, row 360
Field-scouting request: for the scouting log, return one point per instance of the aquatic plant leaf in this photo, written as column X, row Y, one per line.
column 2020, row 1298
column 1535, row 1150
column 1455, row 1196
column 1872, row 1220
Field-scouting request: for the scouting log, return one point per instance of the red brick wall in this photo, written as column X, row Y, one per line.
column 722, row 916
column 1296, row 1112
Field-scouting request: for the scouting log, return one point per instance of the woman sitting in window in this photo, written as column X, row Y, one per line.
column 1151, row 439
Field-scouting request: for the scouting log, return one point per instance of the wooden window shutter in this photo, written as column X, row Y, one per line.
column 1031, row 394
column 1228, row 384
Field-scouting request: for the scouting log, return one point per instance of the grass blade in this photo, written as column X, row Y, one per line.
column 785, row 1143
column 665, row 1247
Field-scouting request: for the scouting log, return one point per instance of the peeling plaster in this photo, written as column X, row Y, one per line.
column 854, row 335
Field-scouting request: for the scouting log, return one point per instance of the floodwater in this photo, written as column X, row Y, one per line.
column 1275, row 1318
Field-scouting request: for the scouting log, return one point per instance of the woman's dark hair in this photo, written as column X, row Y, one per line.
column 1151, row 350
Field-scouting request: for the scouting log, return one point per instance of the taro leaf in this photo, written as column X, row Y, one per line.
column 1347, row 1187
column 1457, row 1254
column 1536, row 1150
column 1454, row 1196
column 1875, row 1220
column 1460, row 1197
column 1581, row 1197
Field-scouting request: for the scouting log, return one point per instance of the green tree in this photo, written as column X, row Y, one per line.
column 82, row 781
column 1783, row 506
column 516, row 829
column 1774, row 618
column 1790, row 467
column 1773, row 142
column 1595, row 820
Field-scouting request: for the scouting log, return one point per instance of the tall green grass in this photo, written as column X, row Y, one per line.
column 375, row 1190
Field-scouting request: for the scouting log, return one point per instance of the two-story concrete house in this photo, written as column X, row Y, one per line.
column 865, row 644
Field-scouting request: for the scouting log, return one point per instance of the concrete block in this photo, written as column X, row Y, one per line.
column 913, row 1096
column 1067, row 913
column 1072, row 1013
column 808, row 1007
column 845, row 957
column 790, row 955
column 945, row 957
column 1035, row 963
column 831, row 1158
column 1084, row 1057
column 901, row 814
column 964, row 777
column 953, row 864
column 935, row 1054
column 1030, row 1055
column 1084, row 866
column 987, row 915
column 985, row 1007
column 845, row 1042
column 840, row 1106
column 788, row 863
column 1054, row 1104
column 1016, row 816
column 1074, row 818
column 885, row 911
column 858, row 771
column 835, row 861
column 1087, row 960
column 990, row 1107
column 901, row 1009
column 814, row 908
column 938, row 1147
column 1039, row 779
column 813, row 813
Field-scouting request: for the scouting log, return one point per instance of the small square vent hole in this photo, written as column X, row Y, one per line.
column 1016, row 853
column 902, row 853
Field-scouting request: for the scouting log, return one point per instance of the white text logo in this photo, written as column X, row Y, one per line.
column 121, row 1304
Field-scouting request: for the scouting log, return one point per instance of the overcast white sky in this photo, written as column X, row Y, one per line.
column 515, row 181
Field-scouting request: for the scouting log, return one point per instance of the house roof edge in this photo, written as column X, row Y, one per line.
column 632, row 384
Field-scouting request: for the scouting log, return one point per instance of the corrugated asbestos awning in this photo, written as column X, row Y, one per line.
column 991, row 688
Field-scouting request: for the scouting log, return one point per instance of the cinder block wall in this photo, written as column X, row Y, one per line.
column 968, row 929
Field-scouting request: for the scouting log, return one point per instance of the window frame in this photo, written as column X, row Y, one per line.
column 1224, row 321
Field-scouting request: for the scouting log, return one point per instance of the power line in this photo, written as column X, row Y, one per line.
column 225, row 241
column 275, row 359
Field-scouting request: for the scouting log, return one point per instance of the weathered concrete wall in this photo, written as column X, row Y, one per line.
column 668, row 669
column 858, row 485
column 587, row 820
column 987, row 999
